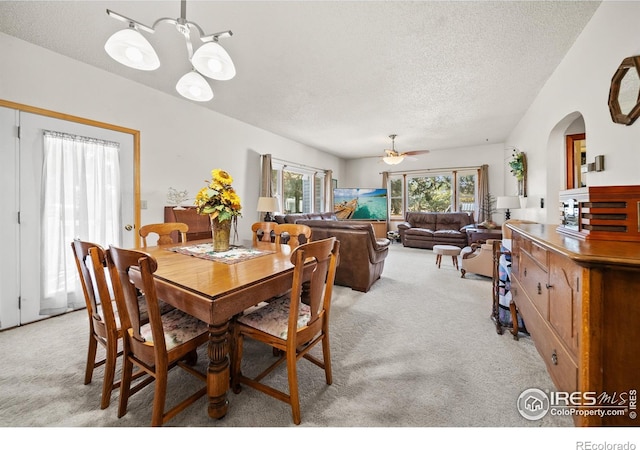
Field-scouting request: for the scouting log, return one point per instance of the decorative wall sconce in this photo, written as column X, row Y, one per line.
column 596, row 166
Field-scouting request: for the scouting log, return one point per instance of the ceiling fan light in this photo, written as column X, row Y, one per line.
column 131, row 49
column 393, row 160
column 194, row 87
column 213, row 61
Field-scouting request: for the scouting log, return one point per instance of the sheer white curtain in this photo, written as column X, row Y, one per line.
column 80, row 199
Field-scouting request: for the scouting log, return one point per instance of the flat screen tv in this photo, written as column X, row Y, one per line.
column 360, row 203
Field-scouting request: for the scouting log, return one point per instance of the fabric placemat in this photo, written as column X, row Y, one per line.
column 235, row 254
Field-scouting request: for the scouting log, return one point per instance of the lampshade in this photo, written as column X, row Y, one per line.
column 213, row 61
column 267, row 204
column 130, row 48
column 510, row 202
column 393, row 160
column 194, row 87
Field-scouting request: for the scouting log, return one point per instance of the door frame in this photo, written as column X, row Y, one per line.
column 136, row 147
column 572, row 164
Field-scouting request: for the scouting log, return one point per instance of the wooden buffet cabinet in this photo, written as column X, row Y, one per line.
column 580, row 301
column 199, row 225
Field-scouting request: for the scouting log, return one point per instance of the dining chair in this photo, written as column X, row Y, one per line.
column 166, row 341
column 292, row 324
column 164, row 230
column 104, row 320
column 290, row 233
column 104, row 326
column 263, row 231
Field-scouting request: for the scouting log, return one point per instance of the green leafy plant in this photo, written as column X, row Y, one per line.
column 517, row 164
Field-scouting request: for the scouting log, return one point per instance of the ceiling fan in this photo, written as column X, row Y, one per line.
column 394, row 157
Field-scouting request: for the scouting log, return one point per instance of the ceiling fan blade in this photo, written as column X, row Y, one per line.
column 416, row 152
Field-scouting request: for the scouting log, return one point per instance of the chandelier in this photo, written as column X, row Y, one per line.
column 131, row 48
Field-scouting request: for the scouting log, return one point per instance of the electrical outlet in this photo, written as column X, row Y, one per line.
column 143, row 204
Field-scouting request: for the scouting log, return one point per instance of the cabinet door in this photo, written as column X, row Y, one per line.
column 533, row 278
column 565, row 299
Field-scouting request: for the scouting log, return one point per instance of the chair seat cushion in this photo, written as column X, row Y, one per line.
column 273, row 318
column 179, row 328
column 144, row 314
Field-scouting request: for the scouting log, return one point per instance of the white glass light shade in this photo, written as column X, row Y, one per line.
column 130, row 48
column 213, row 61
column 267, row 204
column 511, row 202
column 194, row 87
column 393, row 160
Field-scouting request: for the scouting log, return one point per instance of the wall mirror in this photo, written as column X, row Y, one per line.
column 624, row 93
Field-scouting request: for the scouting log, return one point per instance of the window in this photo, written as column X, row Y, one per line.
column 444, row 191
column 298, row 190
column 429, row 193
column 395, row 195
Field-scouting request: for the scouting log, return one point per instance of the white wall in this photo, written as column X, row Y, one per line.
column 181, row 142
column 580, row 86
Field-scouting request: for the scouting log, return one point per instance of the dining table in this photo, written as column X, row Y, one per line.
column 215, row 292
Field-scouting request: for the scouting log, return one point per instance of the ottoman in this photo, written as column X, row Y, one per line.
column 449, row 250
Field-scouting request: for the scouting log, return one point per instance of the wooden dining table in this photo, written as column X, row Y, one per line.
column 215, row 292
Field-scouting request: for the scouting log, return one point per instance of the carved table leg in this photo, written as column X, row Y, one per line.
column 218, row 370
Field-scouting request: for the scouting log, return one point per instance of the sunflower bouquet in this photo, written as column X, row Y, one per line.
column 218, row 199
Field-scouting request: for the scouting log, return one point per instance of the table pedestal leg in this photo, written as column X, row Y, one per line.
column 218, row 370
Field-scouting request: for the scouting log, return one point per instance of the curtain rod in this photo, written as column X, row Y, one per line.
column 442, row 169
column 303, row 166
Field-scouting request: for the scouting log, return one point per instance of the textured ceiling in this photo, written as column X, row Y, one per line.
column 341, row 76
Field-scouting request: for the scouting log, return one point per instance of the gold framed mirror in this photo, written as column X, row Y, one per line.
column 624, row 93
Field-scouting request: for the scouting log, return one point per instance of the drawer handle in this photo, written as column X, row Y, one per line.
column 554, row 358
column 539, row 289
column 548, row 286
column 525, row 271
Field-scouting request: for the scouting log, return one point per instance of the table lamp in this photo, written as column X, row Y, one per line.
column 267, row 205
column 507, row 203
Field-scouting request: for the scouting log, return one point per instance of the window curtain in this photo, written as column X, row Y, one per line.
column 483, row 192
column 328, row 188
column 265, row 182
column 80, row 199
column 385, row 185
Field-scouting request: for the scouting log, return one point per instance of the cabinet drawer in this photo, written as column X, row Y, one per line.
column 540, row 254
column 533, row 279
column 561, row 366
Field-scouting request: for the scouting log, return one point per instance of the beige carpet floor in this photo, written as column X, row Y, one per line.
column 418, row 350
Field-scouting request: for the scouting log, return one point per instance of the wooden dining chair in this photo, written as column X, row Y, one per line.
column 104, row 324
column 293, row 324
column 164, row 230
column 291, row 233
column 263, row 231
column 166, row 341
column 104, row 320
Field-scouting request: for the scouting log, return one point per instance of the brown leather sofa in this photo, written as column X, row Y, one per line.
column 361, row 255
column 293, row 218
column 426, row 229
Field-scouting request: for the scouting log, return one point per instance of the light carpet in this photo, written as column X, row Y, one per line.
column 418, row 350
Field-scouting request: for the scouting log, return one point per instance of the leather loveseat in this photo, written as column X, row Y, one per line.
column 426, row 229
